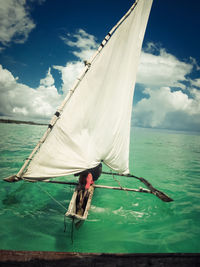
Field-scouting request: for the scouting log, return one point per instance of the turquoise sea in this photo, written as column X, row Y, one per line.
column 118, row 222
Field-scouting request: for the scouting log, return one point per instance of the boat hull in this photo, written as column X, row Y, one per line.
column 71, row 259
column 72, row 210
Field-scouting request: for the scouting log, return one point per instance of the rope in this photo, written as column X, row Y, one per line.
column 51, row 197
column 118, row 182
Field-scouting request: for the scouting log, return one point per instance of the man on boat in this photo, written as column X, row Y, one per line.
column 96, row 172
column 86, row 179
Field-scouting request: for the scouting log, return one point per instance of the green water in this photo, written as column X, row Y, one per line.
column 118, row 222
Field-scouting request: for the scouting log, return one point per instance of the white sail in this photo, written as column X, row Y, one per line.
column 95, row 123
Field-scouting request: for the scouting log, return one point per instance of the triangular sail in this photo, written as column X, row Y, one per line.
column 95, row 123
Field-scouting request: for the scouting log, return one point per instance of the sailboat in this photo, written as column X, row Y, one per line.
column 93, row 123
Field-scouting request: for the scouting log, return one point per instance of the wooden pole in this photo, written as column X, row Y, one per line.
column 143, row 190
column 153, row 190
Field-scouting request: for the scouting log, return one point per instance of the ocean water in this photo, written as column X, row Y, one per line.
column 118, row 222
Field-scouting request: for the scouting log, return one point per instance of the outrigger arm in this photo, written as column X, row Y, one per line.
column 152, row 189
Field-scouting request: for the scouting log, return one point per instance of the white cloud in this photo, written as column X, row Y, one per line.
column 15, row 22
column 20, row 101
column 195, row 82
column 84, row 42
column 48, row 80
column 168, row 109
column 194, row 62
column 69, row 74
column 151, row 48
column 161, row 106
column 163, row 69
column 86, row 45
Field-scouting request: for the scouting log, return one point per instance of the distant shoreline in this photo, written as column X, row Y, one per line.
column 21, row 122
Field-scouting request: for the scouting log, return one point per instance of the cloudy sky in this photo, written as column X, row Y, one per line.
column 43, row 44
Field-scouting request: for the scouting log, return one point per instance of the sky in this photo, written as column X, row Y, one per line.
column 43, row 44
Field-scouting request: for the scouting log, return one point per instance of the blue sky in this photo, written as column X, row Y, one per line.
column 43, row 44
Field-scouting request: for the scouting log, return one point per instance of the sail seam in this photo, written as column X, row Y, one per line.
column 55, row 200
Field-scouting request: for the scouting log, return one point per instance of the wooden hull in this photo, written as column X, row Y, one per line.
column 13, row 258
column 71, row 213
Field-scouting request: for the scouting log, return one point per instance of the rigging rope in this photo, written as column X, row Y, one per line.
column 118, row 182
column 51, row 197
